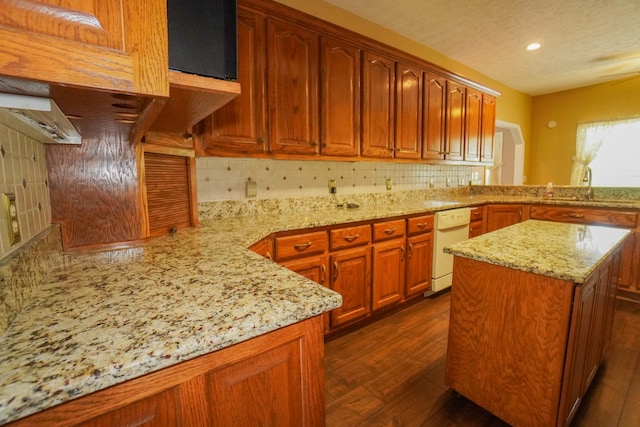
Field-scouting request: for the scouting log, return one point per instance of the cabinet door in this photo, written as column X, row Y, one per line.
column 158, row 410
column 106, row 44
column 500, row 216
column 488, row 128
column 408, row 126
column 577, row 352
column 434, row 114
column 388, row 273
column 272, row 381
column 419, row 263
column 240, row 126
column 339, row 98
column 350, row 277
column 292, row 81
column 454, row 126
column 378, row 87
column 473, row 125
column 313, row 268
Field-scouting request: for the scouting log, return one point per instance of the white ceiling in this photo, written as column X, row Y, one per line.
column 582, row 40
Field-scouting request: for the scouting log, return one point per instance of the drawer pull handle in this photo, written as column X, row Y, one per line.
column 335, row 271
column 421, row 225
column 302, row 246
column 351, row 237
column 402, row 257
column 573, row 215
column 390, row 230
column 410, row 255
column 323, row 274
column 268, row 256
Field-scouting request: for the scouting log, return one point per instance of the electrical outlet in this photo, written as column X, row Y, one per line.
column 251, row 188
column 333, row 189
column 388, row 183
column 11, row 210
column 431, row 182
column 448, row 182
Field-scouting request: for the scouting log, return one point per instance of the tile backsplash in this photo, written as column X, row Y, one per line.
column 225, row 178
column 23, row 171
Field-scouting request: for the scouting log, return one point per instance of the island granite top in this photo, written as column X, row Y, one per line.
column 564, row 251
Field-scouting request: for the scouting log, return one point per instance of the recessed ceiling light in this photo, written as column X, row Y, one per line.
column 533, row 46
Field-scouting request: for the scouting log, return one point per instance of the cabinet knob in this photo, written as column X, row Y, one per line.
column 260, row 139
column 314, row 143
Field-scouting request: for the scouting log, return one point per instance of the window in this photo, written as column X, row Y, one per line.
column 613, row 149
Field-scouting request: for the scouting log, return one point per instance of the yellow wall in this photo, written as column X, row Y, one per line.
column 554, row 148
column 512, row 106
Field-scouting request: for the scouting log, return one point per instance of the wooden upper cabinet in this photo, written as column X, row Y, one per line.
column 473, row 125
column 109, row 45
column 408, row 128
column 434, row 114
column 241, row 125
column 455, row 121
column 292, row 82
column 488, row 127
column 339, row 98
column 378, row 78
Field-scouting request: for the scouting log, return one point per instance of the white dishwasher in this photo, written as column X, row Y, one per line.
column 450, row 226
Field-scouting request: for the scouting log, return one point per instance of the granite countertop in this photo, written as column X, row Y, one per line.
column 105, row 317
column 564, row 251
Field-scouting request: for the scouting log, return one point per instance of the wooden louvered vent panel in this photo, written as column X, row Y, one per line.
column 168, row 195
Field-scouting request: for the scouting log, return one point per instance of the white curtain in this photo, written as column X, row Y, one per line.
column 588, row 141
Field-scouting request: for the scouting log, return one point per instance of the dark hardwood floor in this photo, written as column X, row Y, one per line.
column 391, row 373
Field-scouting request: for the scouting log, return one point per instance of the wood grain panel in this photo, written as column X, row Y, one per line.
column 473, row 125
column 94, row 192
column 387, row 283
column 168, row 192
column 292, row 84
column 578, row 215
column 388, row 230
column 408, row 126
column 339, row 98
column 508, row 332
column 89, row 22
column 350, row 236
column 378, row 93
column 488, row 128
column 300, row 245
column 241, row 125
column 434, row 115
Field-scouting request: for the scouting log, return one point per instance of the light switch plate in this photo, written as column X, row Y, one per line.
column 252, row 188
column 11, row 213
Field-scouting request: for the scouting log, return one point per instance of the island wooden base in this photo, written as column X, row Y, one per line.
column 525, row 346
column 273, row 379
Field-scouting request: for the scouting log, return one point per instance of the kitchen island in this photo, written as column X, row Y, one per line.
column 531, row 314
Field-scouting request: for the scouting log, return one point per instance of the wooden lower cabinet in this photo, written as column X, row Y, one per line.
column 351, row 278
column 477, row 224
column 313, row 268
column 629, row 275
column 388, row 273
column 419, row 264
column 503, row 215
column 273, row 379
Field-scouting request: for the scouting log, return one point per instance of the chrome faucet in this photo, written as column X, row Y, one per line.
column 588, row 175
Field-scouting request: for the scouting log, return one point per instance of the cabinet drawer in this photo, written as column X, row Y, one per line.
column 350, row 236
column 299, row 245
column 419, row 224
column 388, row 230
column 475, row 228
column 584, row 215
column 477, row 213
